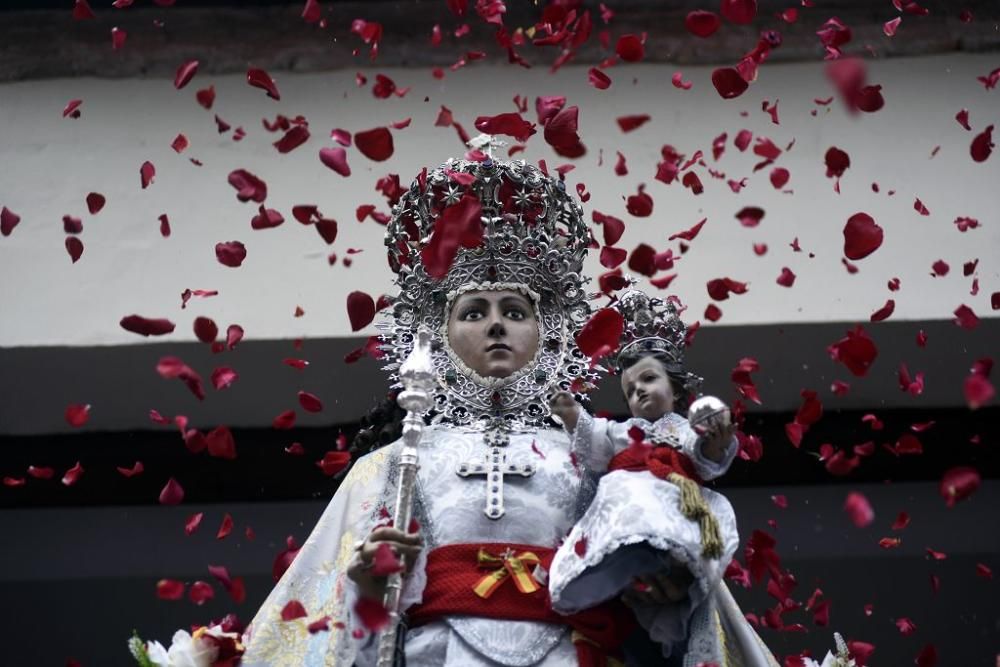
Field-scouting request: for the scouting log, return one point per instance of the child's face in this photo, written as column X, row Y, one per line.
column 647, row 389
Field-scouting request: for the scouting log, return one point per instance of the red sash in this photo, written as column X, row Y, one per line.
column 496, row 580
column 661, row 461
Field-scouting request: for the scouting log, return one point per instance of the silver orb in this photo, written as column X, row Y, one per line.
column 708, row 411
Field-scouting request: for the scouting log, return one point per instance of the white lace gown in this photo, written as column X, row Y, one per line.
column 540, row 510
column 635, row 525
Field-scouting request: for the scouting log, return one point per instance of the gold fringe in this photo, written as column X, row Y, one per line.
column 694, row 507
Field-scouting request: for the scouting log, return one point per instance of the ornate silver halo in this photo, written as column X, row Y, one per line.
column 534, row 240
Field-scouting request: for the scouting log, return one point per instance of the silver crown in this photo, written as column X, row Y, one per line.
column 534, row 240
column 653, row 325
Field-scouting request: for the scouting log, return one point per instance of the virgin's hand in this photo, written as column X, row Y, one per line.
column 671, row 585
column 404, row 545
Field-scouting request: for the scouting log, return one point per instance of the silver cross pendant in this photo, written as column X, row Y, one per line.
column 493, row 468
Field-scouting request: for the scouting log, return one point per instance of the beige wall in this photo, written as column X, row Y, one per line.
column 51, row 163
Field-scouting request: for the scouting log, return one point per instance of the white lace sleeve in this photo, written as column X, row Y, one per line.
column 691, row 444
column 596, row 440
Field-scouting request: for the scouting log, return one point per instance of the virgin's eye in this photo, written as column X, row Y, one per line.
column 516, row 314
column 472, row 314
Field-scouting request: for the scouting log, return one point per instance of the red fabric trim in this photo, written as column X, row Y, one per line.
column 453, row 571
column 661, row 461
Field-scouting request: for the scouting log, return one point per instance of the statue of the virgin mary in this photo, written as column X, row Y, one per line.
column 488, row 256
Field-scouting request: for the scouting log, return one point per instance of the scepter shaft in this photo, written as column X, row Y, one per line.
column 417, row 377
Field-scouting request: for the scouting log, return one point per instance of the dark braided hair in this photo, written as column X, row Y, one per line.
column 675, row 373
column 381, row 426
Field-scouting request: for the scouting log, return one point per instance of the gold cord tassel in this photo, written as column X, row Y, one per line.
column 694, row 507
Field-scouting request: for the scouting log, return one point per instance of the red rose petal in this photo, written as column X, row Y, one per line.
column 958, row 484
column 510, row 124
column 360, row 310
column 230, row 253
column 172, row 493
column 856, row 351
column 630, row 48
column 728, row 82
column 966, row 318
column 41, row 472
column 206, row 97
column 248, row 186
column 146, row 174
column 72, row 109
column 984, row 571
column 739, row 11
column 8, row 221
column 336, row 159
column 837, row 161
column 677, row 80
column 77, row 415
column 145, row 326
column 719, row 289
column 787, row 278
column 779, row 177
column 295, row 137
column 205, row 329
column 580, row 546
column 234, row 334
column 285, row 420
column 371, row 613
column 293, row 610
column 701, row 23
column 258, row 78
column 333, row 462
column 221, row 444
column 95, row 202
column 982, row 145
column 200, row 592
column 884, row 312
column 561, row 129
column 859, row 509
column 266, row 218
column 309, row 402
column 862, row 236
column 601, row 332
column 598, row 79
column 385, row 562
column 629, row 123
column 192, row 523
column 978, row 391
column 640, row 204
column 74, row 247
column 225, row 527
column 185, row 73
column 223, row 377
column 750, row 216
column 169, row 589
column 460, row 225
column 375, row 144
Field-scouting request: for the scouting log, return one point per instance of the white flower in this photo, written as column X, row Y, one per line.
column 184, row 652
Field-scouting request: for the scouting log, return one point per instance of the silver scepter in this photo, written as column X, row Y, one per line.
column 417, row 377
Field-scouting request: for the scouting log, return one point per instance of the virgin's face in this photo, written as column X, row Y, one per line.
column 494, row 332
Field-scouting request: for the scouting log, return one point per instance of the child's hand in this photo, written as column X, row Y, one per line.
column 712, row 422
column 564, row 406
